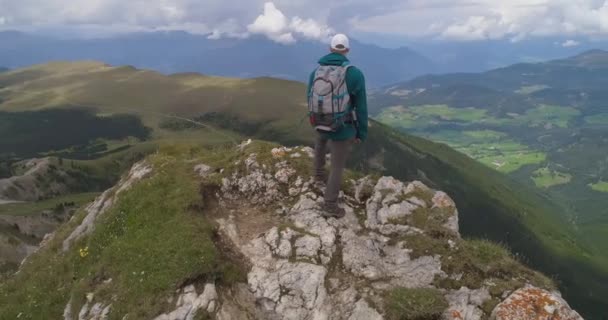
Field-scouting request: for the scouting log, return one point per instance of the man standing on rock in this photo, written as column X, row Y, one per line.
column 337, row 105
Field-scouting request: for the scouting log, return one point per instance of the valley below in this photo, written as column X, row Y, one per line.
column 545, row 125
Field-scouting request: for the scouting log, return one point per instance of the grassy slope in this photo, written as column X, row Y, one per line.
column 147, row 93
column 491, row 204
column 126, row 248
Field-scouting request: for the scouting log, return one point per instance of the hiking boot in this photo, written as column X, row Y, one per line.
column 333, row 211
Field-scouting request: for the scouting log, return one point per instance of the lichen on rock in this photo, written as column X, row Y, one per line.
column 532, row 303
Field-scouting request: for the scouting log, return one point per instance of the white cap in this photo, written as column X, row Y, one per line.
column 340, row 42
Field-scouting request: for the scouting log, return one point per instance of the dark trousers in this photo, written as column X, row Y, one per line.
column 339, row 151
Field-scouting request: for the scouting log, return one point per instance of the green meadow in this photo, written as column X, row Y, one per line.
column 601, row 186
column 492, row 148
column 546, row 178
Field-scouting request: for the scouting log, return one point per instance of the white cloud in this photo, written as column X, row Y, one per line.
column 286, row 21
column 272, row 21
column 490, row 19
column 570, row 43
column 276, row 26
column 310, row 28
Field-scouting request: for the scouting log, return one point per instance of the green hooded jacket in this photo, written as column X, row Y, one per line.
column 355, row 83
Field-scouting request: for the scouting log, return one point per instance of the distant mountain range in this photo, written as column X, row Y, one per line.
column 586, row 70
column 578, row 81
column 178, row 51
column 480, row 56
column 173, row 52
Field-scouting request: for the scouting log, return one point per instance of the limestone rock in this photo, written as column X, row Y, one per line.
column 532, row 303
column 189, row 303
column 364, row 312
column 308, row 151
column 388, row 206
column 465, row 304
column 203, row 170
column 371, row 257
column 292, row 290
column 89, row 311
column 443, row 201
column 308, row 246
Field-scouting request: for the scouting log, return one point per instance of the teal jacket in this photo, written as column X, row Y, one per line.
column 355, row 83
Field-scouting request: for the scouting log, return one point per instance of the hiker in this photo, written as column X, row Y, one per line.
column 337, row 105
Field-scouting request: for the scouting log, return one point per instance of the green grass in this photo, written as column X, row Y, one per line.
column 531, row 89
column 149, row 248
column 28, row 208
column 480, row 260
column 492, row 148
column 546, row 178
column 601, row 186
column 475, row 261
column 398, row 117
column 415, row 304
column 512, row 161
column 428, row 117
column 485, row 135
column 445, row 113
column 550, row 115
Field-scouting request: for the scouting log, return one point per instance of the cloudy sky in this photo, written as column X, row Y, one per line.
column 287, row 21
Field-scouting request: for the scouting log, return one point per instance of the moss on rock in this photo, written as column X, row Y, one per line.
column 415, row 304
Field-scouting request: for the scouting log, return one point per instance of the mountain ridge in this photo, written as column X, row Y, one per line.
column 252, row 57
column 251, row 215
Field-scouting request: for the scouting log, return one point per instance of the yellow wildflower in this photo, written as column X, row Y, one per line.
column 84, row 252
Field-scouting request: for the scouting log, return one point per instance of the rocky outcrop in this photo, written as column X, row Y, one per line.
column 190, row 304
column 465, row 304
column 304, row 266
column 299, row 265
column 312, row 265
column 90, row 310
column 534, row 304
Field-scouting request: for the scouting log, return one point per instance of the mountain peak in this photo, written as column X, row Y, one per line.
column 239, row 231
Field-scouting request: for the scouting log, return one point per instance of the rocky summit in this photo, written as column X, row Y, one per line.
column 397, row 254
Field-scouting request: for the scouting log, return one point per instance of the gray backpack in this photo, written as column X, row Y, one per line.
column 329, row 106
